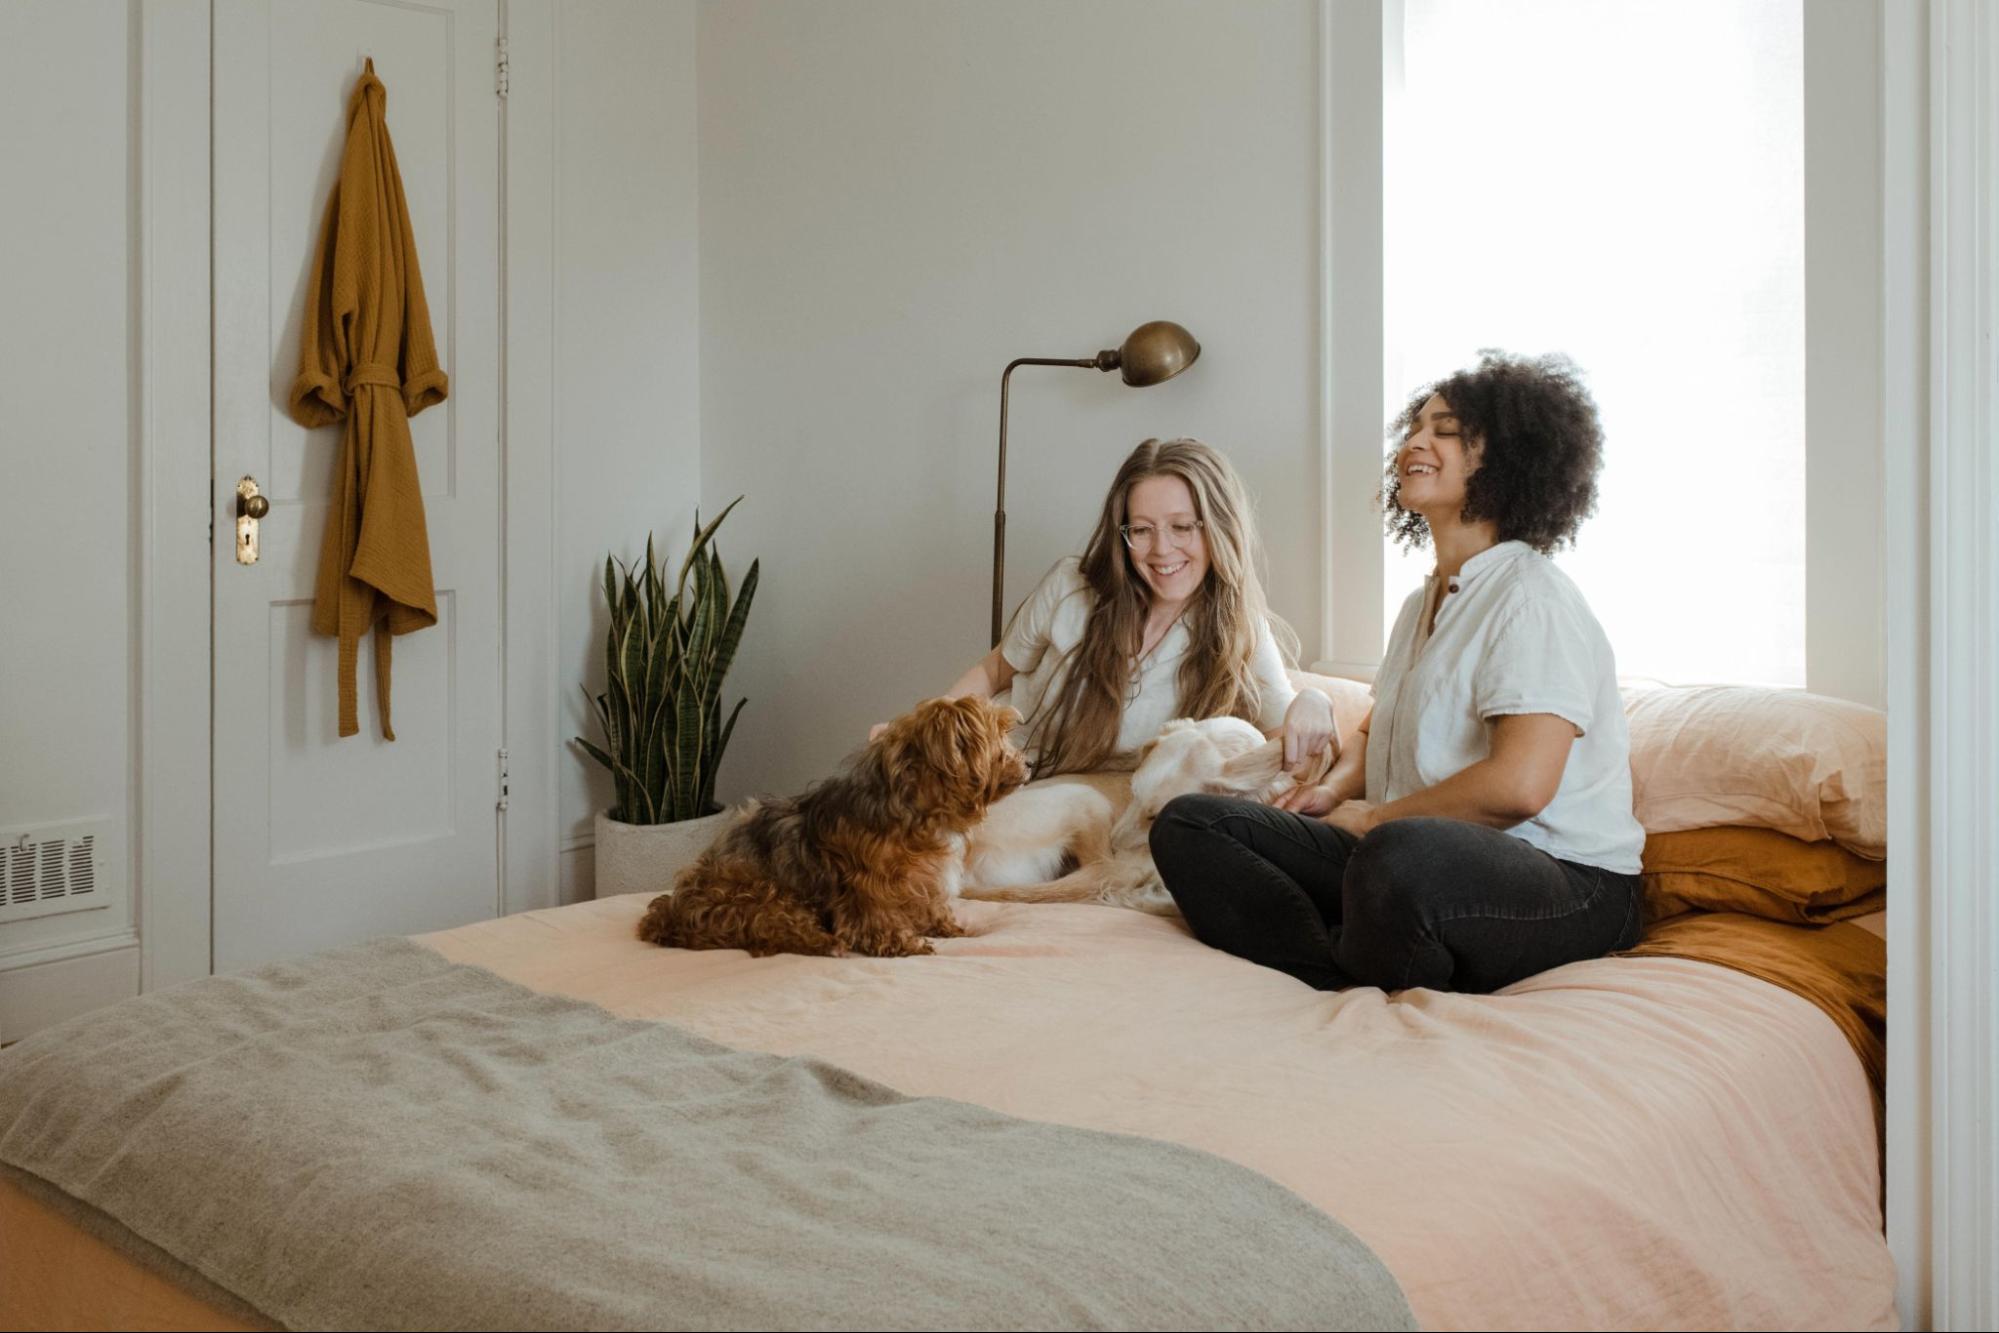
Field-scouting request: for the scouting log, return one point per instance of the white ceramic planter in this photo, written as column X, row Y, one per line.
column 644, row 858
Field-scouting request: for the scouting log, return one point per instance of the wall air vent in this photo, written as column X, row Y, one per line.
column 50, row 868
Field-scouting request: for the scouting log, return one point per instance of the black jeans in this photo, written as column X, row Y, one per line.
column 1439, row 903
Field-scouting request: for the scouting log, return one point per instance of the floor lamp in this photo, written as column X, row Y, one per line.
column 1153, row 353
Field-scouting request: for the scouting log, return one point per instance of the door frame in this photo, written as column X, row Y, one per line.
column 180, row 511
column 1940, row 194
column 171, row 898
column 531, row 685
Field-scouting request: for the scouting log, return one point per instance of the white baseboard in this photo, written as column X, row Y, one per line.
column 42, row 994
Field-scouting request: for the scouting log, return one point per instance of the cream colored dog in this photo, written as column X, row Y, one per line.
column 1017, row 854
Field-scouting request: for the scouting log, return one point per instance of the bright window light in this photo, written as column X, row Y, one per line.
column 1625, row 183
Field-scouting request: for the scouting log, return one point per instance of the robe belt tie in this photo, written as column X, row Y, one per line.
column 371, row 372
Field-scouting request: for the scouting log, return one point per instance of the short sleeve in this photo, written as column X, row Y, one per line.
column 1273, row 680
column 1542, row 660
column 1033, row 626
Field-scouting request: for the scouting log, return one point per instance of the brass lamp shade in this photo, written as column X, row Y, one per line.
column 1153, row 354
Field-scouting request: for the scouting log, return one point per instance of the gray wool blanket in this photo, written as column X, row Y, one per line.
column 377, row 1138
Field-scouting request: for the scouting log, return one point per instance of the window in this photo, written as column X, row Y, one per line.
column 1624, row 183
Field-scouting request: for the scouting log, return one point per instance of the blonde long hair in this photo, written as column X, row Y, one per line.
column 1077, row 729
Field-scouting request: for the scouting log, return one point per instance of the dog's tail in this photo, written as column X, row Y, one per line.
column 1123, row 880
column 1260, row 774
column 701, row 915
column 658, row 925
column 666, row 922
column 1078, row 886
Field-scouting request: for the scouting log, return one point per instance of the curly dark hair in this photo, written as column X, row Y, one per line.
column 1542, row 450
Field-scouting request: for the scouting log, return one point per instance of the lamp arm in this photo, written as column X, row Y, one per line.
column 999, row 504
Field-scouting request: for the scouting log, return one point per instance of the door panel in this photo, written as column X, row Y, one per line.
column 320, row 840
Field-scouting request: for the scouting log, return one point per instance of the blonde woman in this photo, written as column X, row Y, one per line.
column 1163, row 616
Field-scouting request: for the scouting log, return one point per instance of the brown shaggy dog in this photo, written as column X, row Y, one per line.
column 859, row 864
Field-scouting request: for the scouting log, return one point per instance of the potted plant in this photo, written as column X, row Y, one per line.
column 665, row 658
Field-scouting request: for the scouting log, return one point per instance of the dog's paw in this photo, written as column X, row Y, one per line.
column 889, row 946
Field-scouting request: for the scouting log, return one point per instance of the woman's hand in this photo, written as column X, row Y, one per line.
column 876, row 730
column 1356, row 817
column 1310, row 801
column 1308, row 729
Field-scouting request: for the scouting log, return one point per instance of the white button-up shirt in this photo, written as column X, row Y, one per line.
column 1513, row 635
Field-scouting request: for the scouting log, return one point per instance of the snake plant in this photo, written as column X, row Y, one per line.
column 664, row 661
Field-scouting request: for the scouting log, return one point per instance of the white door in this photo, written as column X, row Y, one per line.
column 321, row 840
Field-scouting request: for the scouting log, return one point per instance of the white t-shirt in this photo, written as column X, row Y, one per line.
column 1513, row 635
column 1051, row 624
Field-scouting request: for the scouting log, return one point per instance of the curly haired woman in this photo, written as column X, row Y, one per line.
column 1478, row 829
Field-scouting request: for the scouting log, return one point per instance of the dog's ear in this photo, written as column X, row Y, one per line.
column 1176, row 725
column 914, row 740
column 1252, row 770
column 986, row 729
column 981, row 715
column 951, row 731
column 919, row 763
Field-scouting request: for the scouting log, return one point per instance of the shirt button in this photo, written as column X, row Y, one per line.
column 1454, row 586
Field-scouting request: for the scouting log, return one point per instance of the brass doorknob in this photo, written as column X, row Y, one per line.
column 250, row 506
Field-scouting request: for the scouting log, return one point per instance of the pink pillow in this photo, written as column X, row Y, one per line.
column 1803, row 764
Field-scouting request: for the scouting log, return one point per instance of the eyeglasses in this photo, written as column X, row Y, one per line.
column 1145, row 537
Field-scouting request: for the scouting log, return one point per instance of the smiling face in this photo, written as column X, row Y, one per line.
column 1434, row 463
column 1169, row 548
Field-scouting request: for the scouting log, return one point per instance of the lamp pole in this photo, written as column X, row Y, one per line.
column 999, row 504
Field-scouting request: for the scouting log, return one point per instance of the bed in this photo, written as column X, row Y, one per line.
column 1687, row 1136
column 1634, row 1142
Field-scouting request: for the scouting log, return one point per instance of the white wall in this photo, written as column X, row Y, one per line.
column 68, row 507
column 897, row 198
column 627, row 407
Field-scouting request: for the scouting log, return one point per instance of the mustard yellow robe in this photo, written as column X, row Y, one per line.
column 366, row 359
